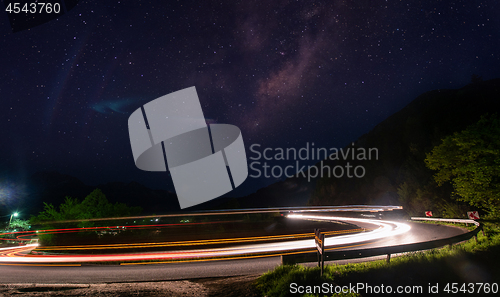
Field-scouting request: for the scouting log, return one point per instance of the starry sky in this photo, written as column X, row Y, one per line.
column 285, row 72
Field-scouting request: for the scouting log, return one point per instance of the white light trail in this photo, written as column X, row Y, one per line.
column 384, row 230
column 18, row 247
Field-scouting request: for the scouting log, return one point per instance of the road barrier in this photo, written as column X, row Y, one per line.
column 370, row 252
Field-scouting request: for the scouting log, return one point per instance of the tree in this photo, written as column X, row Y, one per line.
column 95, row 205
column 470, row 160
column 20, row 224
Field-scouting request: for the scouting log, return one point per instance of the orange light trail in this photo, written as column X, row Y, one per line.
column 384, row 229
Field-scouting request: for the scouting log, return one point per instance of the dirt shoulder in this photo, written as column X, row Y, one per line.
column 208, row 287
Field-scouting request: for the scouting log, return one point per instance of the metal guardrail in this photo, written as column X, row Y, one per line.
column 464, row 221
column 370, row 252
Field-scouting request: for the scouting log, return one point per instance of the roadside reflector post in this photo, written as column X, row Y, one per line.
column 322, row 237
column 319, row 240
column 319, row 259
column 316, row 243
column 322, row 264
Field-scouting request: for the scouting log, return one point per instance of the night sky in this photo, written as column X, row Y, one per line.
column 285, row 72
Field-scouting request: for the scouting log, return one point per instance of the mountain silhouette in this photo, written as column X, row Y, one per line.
column 402, row 140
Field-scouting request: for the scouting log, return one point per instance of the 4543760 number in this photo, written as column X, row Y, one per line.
column 472, row 288
column 33, row 7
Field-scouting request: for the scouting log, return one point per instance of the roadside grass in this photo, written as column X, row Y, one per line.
column 467, row 262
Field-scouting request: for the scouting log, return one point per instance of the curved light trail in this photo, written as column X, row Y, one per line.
column 386, row 229
column 295, row 209
column 383, row 229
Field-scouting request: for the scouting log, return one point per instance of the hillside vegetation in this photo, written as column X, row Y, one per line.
column 404, row 140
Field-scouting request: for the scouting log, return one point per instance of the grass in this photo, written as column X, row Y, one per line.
column 468, row 262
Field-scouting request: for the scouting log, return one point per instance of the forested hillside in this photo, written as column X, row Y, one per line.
column 400, row 175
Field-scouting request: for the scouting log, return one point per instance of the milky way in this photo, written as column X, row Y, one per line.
column 285, row 72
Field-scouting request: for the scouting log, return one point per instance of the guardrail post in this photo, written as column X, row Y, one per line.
column 388, row 258
column 322, row 264
column 475, row 237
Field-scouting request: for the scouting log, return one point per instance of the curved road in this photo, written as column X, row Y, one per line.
column 47, row 273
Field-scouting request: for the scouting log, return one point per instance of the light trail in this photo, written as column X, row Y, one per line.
column 81, row 229
column 194, row 242
column 344, row 208
column 384, row 229
column 17, row 247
